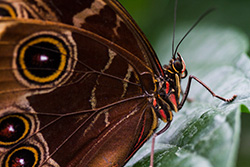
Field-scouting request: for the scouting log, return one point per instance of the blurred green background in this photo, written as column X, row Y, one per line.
column 155, row 16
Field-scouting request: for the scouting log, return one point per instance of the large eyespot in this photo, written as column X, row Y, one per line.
column 7, row 11
column 24, row 156
column 13, row 128
column 43, row 59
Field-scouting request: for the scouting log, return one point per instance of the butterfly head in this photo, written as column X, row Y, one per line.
column 169, row 88
column 176, row 66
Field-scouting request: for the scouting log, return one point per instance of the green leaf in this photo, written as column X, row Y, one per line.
column 244, row 109
column 208, row 140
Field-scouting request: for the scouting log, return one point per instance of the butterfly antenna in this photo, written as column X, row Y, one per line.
column 175, row 11
column 199, row 19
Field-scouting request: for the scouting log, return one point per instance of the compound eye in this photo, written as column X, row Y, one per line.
column 178, row 65
column 183, row 71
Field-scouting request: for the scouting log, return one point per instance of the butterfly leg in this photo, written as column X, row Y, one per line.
column 188, row 99
column 153, row 142
column 184, row 98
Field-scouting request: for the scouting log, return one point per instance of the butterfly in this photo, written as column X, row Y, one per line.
column 80, row 84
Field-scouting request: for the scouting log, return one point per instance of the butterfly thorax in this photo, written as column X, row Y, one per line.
column 168, row 93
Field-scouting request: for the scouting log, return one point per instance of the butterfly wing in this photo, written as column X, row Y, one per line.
column 79, row 105
column 99, row 85
column 106, row 18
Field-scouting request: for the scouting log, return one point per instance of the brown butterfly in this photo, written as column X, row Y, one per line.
column 80, row 85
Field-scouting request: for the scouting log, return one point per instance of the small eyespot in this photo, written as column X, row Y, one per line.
column 7, row 11
column 23, row 156
column 42, row 59
column 13, row 129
